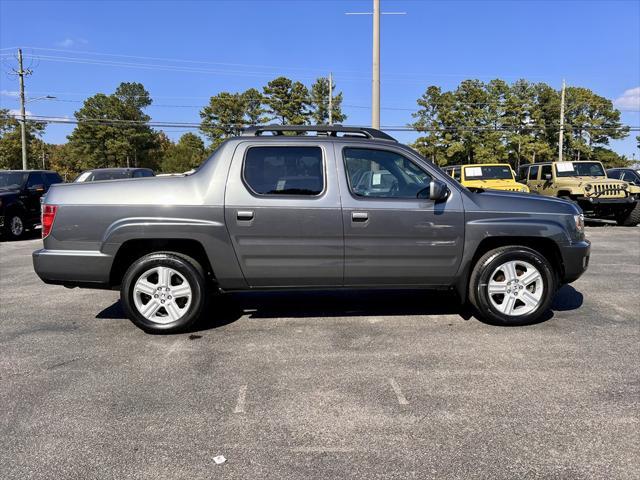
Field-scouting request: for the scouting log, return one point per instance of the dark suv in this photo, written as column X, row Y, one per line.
column 20, row 192
column 279, row 208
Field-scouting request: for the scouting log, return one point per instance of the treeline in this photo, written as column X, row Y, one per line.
column 113, row 130
column 476, row 122
column 518, row 123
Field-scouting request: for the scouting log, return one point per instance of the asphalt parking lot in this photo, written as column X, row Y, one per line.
column 323, row 385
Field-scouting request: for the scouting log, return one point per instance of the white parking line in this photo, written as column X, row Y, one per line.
column 241, row 399
column 396, row 388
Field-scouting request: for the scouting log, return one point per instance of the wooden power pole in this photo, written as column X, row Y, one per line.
column 23, row 123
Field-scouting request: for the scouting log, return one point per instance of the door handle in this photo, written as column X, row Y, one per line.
column 244, row 215
column 359, row 216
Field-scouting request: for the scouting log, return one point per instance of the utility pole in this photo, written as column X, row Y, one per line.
column 43, row 167
column 330, row 98
column 375, row 77
column 23, row 126
column 561, row 137
column 375, row 87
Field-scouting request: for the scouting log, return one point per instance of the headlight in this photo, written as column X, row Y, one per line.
column 588, row 187
column 579, row 219
column 625, row 186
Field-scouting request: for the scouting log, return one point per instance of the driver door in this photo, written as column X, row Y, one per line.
column 392, row 237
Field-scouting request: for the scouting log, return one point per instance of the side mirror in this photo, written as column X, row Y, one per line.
column 36, row 189
column 548, row 177
column 437, row 190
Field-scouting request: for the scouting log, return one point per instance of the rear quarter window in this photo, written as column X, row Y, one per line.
column 284, row 170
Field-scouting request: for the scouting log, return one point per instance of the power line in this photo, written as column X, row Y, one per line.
column 277, row 67
column 151, row 123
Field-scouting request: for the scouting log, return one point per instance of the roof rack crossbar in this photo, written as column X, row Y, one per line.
column 328, row 130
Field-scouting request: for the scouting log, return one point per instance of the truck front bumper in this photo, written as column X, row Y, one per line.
column 575, row 260
column 73, row 268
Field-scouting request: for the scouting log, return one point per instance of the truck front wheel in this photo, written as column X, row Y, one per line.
column 512, row 285
column 163, row 292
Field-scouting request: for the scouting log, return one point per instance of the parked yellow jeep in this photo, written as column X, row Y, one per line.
column 488, row 176
column 585, row 183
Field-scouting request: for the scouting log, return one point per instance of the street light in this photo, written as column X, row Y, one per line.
column 46, row 97
column 23, row 124
column 375, row 77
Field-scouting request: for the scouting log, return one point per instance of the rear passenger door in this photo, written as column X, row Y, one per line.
column 282, row 210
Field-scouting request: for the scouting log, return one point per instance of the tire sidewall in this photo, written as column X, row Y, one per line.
column 191, row 274
column 8, row 223
column 489, row 266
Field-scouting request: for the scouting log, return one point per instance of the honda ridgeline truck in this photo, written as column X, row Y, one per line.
column 308, row 208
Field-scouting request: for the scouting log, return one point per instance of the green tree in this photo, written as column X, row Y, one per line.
column 187, row 154
column 112, row 130
column 254, row 107
column 319, row 103
column 497, row 122
column 287, row 101
column 229, row 113
column 592, row 122
column 11, row 142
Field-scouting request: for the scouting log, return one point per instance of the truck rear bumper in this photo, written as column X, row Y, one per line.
column 575, row 259
column 73, row 267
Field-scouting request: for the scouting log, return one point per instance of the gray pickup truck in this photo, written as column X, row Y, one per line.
column 308, row 208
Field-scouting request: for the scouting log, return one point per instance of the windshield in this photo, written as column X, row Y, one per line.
column 12, row 179
column 494, row 172
column 582, row 169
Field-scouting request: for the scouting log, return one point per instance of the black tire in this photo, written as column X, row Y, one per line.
column 9, row 226
column 185, row 266
column 488, row 263
column 631, row 218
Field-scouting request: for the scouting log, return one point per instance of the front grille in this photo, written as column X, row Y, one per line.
column 607, row 190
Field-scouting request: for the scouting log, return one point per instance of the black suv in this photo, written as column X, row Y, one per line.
column 20, row 192
column 629, row 175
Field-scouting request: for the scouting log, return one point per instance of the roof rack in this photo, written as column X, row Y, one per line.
column 328, row 130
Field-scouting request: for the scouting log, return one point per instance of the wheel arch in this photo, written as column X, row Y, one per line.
column 547, row 247
column 131, row 250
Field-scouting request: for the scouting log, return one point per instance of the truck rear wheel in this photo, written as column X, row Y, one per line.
column 163, row 292
column 631, row 218
column 512, row 285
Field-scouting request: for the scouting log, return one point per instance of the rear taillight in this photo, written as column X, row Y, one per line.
column 48, row 216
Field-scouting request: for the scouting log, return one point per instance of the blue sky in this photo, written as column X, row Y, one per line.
column 234, row 45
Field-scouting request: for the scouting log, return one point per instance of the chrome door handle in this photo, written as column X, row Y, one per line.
column 359, row 216
column 245, row 215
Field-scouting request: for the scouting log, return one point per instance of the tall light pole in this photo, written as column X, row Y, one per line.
column 375, row 77
column 561, row 136
column 375, row 74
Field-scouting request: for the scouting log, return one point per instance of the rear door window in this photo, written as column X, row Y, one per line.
column 546, row 170
column 284, row 170
column 35, row 179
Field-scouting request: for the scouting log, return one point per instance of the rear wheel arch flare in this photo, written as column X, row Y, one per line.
column 132, row 250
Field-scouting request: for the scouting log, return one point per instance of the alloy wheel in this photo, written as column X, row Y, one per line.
column 162, row 295
column 515, row 288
